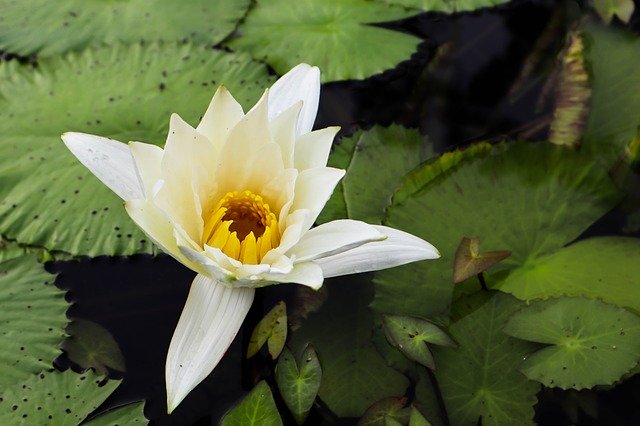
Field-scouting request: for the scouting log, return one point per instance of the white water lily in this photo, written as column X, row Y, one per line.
column 234, row 200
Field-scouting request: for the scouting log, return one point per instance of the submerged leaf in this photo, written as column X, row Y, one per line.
column 386, row 411
column 271, row 329
column 90, row 345
column 468, row 260
column 256, row 409
column 299, row 381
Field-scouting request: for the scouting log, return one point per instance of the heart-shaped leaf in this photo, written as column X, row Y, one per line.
column 468, row 261
column 299, row 381
column 90, row 345
column 256, row 409
column 272, row 329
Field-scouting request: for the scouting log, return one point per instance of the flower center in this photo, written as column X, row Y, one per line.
column 243, row 227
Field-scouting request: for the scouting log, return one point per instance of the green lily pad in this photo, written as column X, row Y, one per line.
column 606, row 268
column 272, row 328
column 257, row 408
column 299, row 381
column 32, row 314
column 447, row 6
column 332, row 34
column 47, row 28
column 411, row 336
column 613, row 56
column 90, row 345
column 480, row 379
column 385, row 411
column 122, row 416
column 128, row 93
column 591, row 342
column 530, row 199
column 54, row 398
column 354, row 374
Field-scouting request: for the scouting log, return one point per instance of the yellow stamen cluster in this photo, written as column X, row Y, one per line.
column 243, row 227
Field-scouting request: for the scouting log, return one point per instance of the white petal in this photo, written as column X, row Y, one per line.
column 333, row 238
column 147, row 158
column 279, row 192
column 283, row 132
column 399, row 248
column 292, row 229
column 207, row 266
column 312, row 149
column 223, row 114
column 313, row 189
column 109, row 160
column 208, row 324
column 307, row 273
column 302, row 83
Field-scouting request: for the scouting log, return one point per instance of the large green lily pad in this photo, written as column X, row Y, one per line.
column 530, row 199
column 480, row 379
column 590, row 342
column 50, row 27
column 128, row 93
column 332, row 34
column 448, row 6
column 32, row 314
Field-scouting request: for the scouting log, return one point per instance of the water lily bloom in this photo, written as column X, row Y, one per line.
column 234, row 200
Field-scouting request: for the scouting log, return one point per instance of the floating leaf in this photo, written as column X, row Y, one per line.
column 90, row 345
column 47, row 28
column 48, row 198
column 447, row 6
column 257, row 408
column 605, row 268
column 480, row 379
column 387, row 410
column 417, row 419
column 572, row 95
column 591, row 342
column 54, row 398
column 122, row 416
column 354, row 375
column 411, row 336
column 272, row 328
column 326, row 33
column 468, row 260
column 607, row 9
column 32, row 314
column 530, row 199
column 299, row 382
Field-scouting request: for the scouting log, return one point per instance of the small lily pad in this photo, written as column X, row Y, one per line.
column 90, row 345
column 130, row 414
column 272, row 329
column 590, row 342
column 468, row 260
column 385, row 411
column 299, row 381
column 256, row 409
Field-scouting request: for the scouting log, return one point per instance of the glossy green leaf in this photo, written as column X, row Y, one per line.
column 131, row 414
column 411, row 336
column 386, row 411
column 354, row 375
column 607, row 9
column 332, row 34
column 480, row 379
column 47, row 28
column 299, row 382
column 272, row 328
column 447, row 6
column 256, row 409
column 468, row 261
column 54, row 398
column 90, row 345
column 606, row 268
column 530, row 199
column 590, row 342
column 32, row 314
column 48, row 198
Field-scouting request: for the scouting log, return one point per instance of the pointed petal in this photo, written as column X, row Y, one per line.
column 307, row 273
column 223, row 114
column 208, row 324
column 313, row 189
column 333, row 238
column 283, row 132
column 312, row 149
column 109, row 160
column 302, row 83
column 147, row 158
column 399, row 248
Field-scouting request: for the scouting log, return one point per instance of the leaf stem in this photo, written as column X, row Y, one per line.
column 483, row 283
column 436, row 388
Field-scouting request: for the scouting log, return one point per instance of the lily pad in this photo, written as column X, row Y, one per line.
column 326, row 33
column 257, row 408
column 480, row 378
column 530, row 199
column 32, row 314
column 271, row 329
column 90, row 345
column 385, row 411
column 47, row 28
column 590, row 342
column 605, row 268
column 128, row 93
column 122, row 416
column 447, row 6
column 54, row 398
column 299, row 381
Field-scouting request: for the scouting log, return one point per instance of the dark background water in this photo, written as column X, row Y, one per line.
column 465, row 83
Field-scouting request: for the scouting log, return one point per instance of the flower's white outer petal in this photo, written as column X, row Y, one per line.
column 147, row 158
column 313, row 189
column 302, row 83
column 283, row 132
column 208, row 324
column 307, row 273
column 223, row 114
column 312, row 149
column 399, row 248
column 333, row 238
column 206, row 265
column 109, row 160
column 294, row 228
